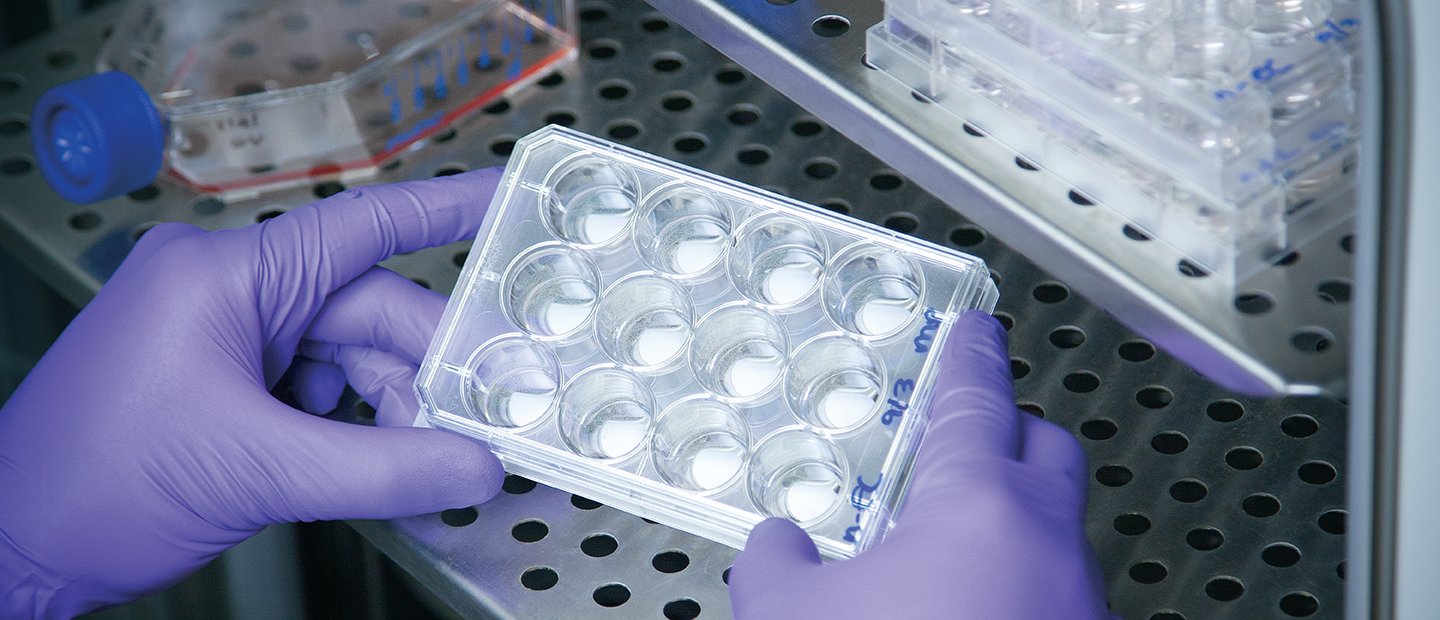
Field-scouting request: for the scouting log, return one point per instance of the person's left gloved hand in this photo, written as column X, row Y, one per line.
column 146, row 442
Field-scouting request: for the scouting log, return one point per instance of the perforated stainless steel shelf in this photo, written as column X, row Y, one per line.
column 1203, row 504
column 1279, row 332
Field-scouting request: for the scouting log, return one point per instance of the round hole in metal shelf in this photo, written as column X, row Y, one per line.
column 413, row 10
column 1031, row 408
column 10, row 83
column 614, row 90
column 392, row 165
column 459, row 258
column 1189, row 491
column 1167, row 615
column 563, row 118
column 1134, row 234
column 1080, row 199
column 304, row 63
column 1260, row 505
column 729, row 75
column 1081, row 381
column 681, row 609
column 1340, row 570
column 459, row 517
column 690, row 143
column 1025, row 164
column 781, row 2
column 498, row 107
column 677, row 102
column 584, row 503
column 830, row 26
column 1224, row 589
column 1244, row 458
column 752, row 155
column 295, row 22
column 1191, row 270
column 1114, row 475
column 668, row 62
column 1131, row 524
column 503, row 147
column 836, row 205
column 248, row 88
column 241, row 49
column 1316, row 472
column 972, row 130
column 448, row 134
column 1019, row 368
column 1334, row 291
column 1154, row 397
column 594, row 12
column 1285, row 259
column 207, row 205
column 268, row 214
column 85, row 220
column 901, row 222
column 16, row 166
column 599, row 545
column 670, row 561
column 1067, row 337
column 1205, row 539
column 624, row 129
column 1225, row 410
column 529, row 531
column 1136, row 350
column 886, row 181
column 1005, row 320
column 1254, row 303
column 1098, row 429
column 1148, row 572
column 611, row 595
column 1347, row 244
column 806, row 127
column 448, row 170
column 743, row 114
column 1280, row 555
column 1299, row 604
column 13, row 125
column 486, row 64
column 1299, row 426
column 327, row 189
column 603, row 49
column 967, row 236
column 1170, row 442
column 1312, row 340
column 60, row 59
column 1050, row 292
column 725, row 576
column 139, row 231
column 517, row 485
column 821, row 168
column 539, row 578
column 915, row 94
column 1332, row 522
column 654, row 23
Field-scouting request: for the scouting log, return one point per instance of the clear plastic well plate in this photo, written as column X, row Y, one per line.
column 693, row 350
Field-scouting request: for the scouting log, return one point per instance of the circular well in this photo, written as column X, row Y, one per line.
column 512, row 382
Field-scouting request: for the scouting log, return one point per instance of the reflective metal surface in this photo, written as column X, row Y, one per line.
column 1273, row 333
column 1194, row 489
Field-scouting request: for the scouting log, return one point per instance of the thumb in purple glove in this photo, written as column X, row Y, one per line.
column 145, row 442
column 993, row 526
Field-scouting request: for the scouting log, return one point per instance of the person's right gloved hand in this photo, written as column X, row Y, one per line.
column 993, row 526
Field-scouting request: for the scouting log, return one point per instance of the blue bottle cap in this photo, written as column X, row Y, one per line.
column 97, row 137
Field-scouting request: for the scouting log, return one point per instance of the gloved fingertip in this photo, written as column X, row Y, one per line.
column 776, row 537
column 318, row 386
column 975, row 324
column 474, row 469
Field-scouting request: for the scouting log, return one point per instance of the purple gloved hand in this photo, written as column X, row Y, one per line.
column 993, row 526
column 146, row 442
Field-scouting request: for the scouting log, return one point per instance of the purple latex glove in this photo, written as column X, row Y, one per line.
column 145, row 442
column 993, row 526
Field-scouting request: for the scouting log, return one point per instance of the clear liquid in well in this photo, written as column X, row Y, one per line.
column 656, row 338
column 883, row 305
column 691, row 245
column 597, row 216
column 809, row 492
column 559, row 307
column 845, row 398
column 522, row 397
column 714, row 460
column 617, row 429
column 750, row 368
column 786, row 275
